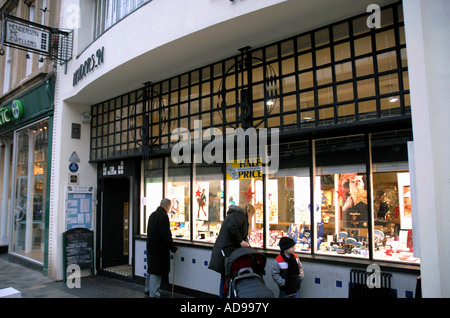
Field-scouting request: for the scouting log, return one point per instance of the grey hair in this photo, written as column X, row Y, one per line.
column 165, row 203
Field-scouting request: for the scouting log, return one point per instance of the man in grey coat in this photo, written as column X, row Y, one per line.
column 233, row 234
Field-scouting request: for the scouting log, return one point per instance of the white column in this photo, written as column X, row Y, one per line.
column 428, row 47
column 6, row 170
column 30, row 193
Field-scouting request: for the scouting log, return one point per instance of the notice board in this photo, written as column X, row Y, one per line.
column 79, row 207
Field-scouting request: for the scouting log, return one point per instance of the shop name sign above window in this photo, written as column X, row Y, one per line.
column 88, row 66
column 11, row 113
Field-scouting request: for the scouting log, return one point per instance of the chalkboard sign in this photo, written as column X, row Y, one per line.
column 78, row 248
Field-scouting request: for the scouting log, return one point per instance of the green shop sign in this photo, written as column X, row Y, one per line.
column 11, row 112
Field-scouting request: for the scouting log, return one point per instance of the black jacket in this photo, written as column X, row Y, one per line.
column 234, row 230
column 159, row 243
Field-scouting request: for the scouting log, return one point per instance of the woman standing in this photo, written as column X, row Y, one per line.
column 233, row 234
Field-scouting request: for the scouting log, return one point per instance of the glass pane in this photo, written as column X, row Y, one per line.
column 178, row 190
column 385, row 40
column 322, row 37
column 343, row 71
column 344, row 92
column 306, row 80
column 31, row 146
column 153, row 190
column 305, row 61
column 288, row 66
column 363, row 46
column 208, row 203
column 346, row 113
column 245, row 186
column 304, row 42
column 324, row 76
column 387, row 61
column 366, row 88
column 340, row 31
column 325, row 95
column 323, row 56
column 364, row 66
column 288, row 198
column 392, row 197
column 367, row 109
column 342, row 51
column 341, row 213
column 326, row 116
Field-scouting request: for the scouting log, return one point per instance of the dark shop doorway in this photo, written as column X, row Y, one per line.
column 115, row 225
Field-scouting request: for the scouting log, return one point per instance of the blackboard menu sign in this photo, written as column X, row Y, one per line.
column 78, row 248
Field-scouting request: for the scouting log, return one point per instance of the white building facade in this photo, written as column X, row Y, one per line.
column 356, row 103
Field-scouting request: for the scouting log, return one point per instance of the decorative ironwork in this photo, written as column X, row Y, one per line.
column 244, row 105
column 153, row 110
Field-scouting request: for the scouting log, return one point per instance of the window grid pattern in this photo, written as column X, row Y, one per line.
column 339, row 74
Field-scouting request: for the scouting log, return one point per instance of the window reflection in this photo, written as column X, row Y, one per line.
column 30, row 148
column 288, row 197
column 342, row 208
column 208, row 203
column 178, row 191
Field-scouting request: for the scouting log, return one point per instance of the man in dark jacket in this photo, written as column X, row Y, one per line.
column 159, row 246
column 233, row 234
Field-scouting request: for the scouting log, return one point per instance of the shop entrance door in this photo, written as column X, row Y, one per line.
column 115, row 205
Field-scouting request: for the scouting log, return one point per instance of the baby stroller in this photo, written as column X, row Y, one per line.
column 244, row 269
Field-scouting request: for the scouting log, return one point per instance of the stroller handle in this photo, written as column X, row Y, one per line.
column 237, row 245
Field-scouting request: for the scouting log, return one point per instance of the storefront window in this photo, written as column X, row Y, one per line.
column 245, row 186
column 288, row 198
column 392, row 213
column 208, row 203
column 178, row 190
column 153, row 189
column 342, row 210
column 31, row 145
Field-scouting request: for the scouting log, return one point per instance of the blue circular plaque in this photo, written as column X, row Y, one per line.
column 73, row 167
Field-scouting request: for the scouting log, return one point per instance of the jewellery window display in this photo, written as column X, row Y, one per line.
column 341, row 200
column 342, row 221
column 392, row 217
column 178, row 191
column 293, row 209
column 208, row 203
column 291, row 183
column 391, row 197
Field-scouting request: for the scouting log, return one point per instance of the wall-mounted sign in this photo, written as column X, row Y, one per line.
column 27, row 37
column 11, row 113
column 73, row 167
column 88, row 66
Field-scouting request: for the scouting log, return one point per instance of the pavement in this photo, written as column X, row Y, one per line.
column 33, row 283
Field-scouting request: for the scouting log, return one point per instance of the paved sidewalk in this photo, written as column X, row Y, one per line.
column 33, row 284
